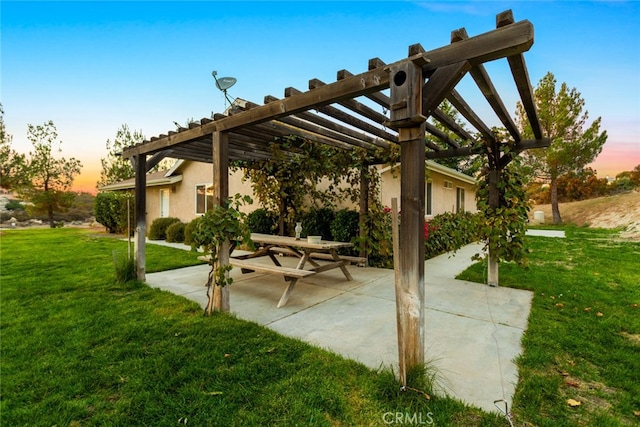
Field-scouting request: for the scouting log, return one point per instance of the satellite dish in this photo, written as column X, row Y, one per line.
column 224, row 83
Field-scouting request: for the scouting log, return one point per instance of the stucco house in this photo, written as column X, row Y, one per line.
column 184, row 191
column 446, row 189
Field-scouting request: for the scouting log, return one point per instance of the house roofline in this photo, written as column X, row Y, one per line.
column 437, row 167
column 131, row 184
column 174, row 168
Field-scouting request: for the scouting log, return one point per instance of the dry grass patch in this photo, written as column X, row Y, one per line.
column 619, row 211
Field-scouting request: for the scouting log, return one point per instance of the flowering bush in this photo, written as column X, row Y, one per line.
column 446, row 232
column 449, row 232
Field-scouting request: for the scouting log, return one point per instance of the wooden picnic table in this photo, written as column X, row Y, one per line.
column 308, row 253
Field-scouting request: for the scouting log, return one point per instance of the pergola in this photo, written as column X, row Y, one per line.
column 330, row 113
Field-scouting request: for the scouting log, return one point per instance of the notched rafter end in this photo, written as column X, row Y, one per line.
column 375, row 63
column 416, row 49
column 504, row 18
column 343, row 74
column 459, row 35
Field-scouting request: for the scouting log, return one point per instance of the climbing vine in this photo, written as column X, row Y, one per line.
column 216, row 226
column 503, row 228
column 290, row 178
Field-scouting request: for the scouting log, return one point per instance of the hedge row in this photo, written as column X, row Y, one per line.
column 443, row 233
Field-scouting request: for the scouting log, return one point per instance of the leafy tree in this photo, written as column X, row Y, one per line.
column 49, row 178
column 12, row 163
column 283, row 183
column 114, row 167
column 635, row 176
column 581, row 185
column 573, row 144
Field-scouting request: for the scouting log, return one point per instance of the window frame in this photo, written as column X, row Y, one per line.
column 207, row 191
column 428, row 198
column 460, row 201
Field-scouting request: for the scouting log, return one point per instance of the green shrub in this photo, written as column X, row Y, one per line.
column 449, row 232
column 345, row 228
column 175, row 232
column 14, row 205
column 262, row 221
column 317, row 222
column 158, row 229
column 189, row 229
column 20, row 216
column 110, row 210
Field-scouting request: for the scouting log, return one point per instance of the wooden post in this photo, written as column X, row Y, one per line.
column 140, row 211
column 412, row 242
column 219, row 299
column 494, row 203
column 402, row 369
column 364, row 209
column 406, row 116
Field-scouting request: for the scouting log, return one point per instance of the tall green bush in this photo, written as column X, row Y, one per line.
column 110, row 210
column 262, row 221
column 175, row 232
column 158, row 229
column 317, row 222
column 189, row 229
column 345, row 228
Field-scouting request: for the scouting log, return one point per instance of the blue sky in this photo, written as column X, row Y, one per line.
column 93, row 66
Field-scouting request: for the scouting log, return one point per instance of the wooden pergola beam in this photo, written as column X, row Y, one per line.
column 349, row 119
column 484, row 83
column 502, row 42
column 451, row 125
column 467, row 112
column 520, row 147
column 378, row 97
column 371, row 81
column 371, row 142
column 441, row 83
column 506, row 41
column 441, row 135
column 353, row 105
column 521, row 78
column 321, row 126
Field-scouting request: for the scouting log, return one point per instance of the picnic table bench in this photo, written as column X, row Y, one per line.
column 307, row 252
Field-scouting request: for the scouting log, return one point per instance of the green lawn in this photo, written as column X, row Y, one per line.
column 77, row 349
column 583, row 339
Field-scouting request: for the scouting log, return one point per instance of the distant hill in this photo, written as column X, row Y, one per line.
column 622, row 210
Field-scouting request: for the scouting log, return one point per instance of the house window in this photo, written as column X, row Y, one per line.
column 448, row 184
column 204, row 198
column 428, row 209
column 459, row 199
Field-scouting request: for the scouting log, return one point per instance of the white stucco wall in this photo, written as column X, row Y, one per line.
column 443, row 198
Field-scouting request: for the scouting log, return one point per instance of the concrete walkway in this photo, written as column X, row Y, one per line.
column 472, row 331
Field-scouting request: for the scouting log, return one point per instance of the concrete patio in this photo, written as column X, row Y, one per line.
column 472, row 331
